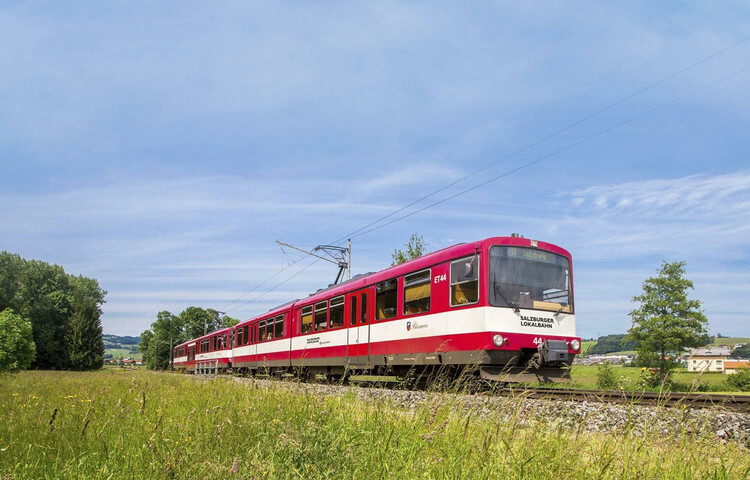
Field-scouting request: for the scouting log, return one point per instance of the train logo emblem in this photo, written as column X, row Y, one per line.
column 408, row 326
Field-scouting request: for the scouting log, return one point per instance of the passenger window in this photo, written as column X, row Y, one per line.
column 245, row 335
column 465, row 281
column 353, row 316
column 363, row 317
column 269, row 329
column 385, row 299
column 321, row 315
column 262, row 337
column 279, row 327
column 417, row 292
column 336, row 317
column 307, row 320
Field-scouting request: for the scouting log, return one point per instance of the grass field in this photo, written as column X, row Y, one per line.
column 123, row 352
column 730, row 341
column 584, row 376
column 114, row 424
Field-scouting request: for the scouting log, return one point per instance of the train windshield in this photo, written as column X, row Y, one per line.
column 529, row 278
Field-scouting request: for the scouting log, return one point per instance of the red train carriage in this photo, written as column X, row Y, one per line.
column 503, row 304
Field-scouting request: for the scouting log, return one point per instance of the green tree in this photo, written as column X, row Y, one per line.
column 85, row 343
column 609, row 344
column 197, row 321
column 415, row 248
column 227, row 321
column 17, row 349
column 667, row 321
column 144, row 346
column 741, row 352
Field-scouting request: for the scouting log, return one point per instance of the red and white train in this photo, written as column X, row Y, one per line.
column 503, row 306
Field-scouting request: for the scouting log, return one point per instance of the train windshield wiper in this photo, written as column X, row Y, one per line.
column 508, row 301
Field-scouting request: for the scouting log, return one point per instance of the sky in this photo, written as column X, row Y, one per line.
column 163, row 147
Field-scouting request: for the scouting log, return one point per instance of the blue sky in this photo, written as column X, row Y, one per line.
column 163, row 147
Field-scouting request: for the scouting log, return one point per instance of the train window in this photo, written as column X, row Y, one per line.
column 245, row 336
column 269, row 329
column 240, row 338
column 363, row 317
column 417, row 292
column 465, row 281
column 262, row 335
column 279, row 327
column 353, row 316
column 385, row 299
column 321, row 315
column 336, row 317
column 307, row 318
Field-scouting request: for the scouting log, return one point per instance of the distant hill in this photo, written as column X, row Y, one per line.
column 117, row 341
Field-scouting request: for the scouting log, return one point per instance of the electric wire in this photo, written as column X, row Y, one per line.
column 365, row 229
column 524, row 166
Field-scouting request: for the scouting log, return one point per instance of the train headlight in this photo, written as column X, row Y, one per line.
column 575, row 345
column 498, row 340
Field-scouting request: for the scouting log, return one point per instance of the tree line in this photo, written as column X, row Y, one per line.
column 48, row 319
column 169, row 330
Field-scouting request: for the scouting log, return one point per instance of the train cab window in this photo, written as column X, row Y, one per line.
column 417, row 292
column 363, row 316
column 245, row 336
column 321, row 315
column 278, row 329
column 306, row 319
column 262, row 329
column 465, row 281
column 240, row 338
column 353, row 313
column 336, row 316
column 385, row 299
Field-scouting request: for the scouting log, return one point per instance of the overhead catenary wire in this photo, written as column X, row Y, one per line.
column 366, row 228
column 523, row 166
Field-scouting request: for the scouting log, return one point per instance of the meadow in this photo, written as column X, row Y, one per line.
column 139, row 424
column 585, row 377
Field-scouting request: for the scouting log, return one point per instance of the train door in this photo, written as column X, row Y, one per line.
column 358, row 333
column 254, row 342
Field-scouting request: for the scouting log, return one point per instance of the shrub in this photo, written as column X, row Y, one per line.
column 740, row 380
column 605, row 377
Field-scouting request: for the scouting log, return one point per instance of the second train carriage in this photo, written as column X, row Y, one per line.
column 503, row 304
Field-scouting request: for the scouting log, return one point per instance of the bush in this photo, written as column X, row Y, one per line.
column 740, row 380
column 605, row 377
column 17, row 349
column 651, row 378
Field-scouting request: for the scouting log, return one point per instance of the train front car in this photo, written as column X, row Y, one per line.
column 529, row 310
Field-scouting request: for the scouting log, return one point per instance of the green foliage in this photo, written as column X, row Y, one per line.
column 741, row 352
column 86, row 344
column 667, row 321
column 605, row 377
column 64, row 311
column 611, row 343
column 415, row 248
column 169, row 330
column 17, row 349
column 740, row 380
column 227, row 321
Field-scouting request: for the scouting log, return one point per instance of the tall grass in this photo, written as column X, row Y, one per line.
column 112, row 424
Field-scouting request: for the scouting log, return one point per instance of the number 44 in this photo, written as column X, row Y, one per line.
column 538, row 340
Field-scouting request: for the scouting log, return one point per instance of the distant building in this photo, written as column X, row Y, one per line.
column 731, row 366
column 708, row 359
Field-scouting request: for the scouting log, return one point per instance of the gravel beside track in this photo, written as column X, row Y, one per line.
column 594, row 416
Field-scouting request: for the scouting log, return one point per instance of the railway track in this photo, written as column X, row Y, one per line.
column 738, row 403
column 732, row 402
